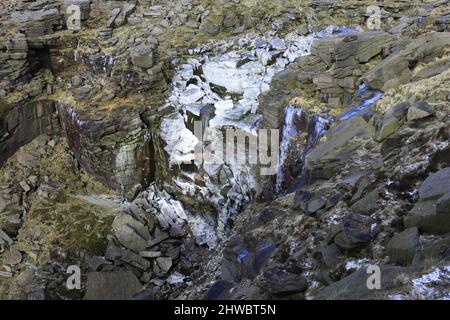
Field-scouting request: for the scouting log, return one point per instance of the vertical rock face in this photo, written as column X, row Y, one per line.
column 21, row 124
column 118, row 150
column 273, row 101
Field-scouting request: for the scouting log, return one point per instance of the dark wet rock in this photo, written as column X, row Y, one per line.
column 261, row 219
column 121, row 285
column 322, row 199
column 333, row 199
column 399, row 111
column 431, row 212
column 315, row 205
column 330, row 255
column 403, row 246
column 244, row 259
column 367, row 204
column 247, row 291
column 308, row 128
column 436, row 185
column 354, row 287
column 301, row 199
column 364, row 183
column 147, row 294
column 357, row 231
column 220, row 290
column 263, row 252
column 280, row 282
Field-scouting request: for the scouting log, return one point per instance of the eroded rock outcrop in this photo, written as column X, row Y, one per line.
column 19, row 125
column 396, row 69
column 118, row 153
column 346, row 56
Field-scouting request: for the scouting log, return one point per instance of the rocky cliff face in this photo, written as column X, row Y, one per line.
column 99, row 121
column 21, row 124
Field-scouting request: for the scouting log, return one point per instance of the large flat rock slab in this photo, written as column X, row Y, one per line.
column 111, row 286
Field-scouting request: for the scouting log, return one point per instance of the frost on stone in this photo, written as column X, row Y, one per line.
column 356, row 264
column 180, row 141
column 225, row 72
column 169, row 212
column 204, row 232
column 433, row 285
column 176, row 278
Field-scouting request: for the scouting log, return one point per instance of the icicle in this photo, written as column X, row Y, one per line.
column 288, row 133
